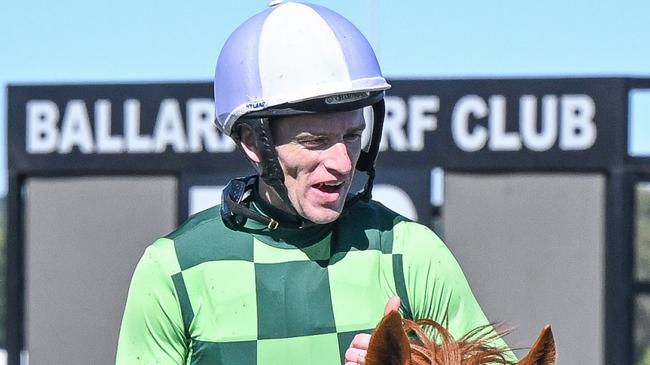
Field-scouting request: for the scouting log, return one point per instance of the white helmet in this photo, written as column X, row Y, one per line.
column 291, row 59
column 291, row 53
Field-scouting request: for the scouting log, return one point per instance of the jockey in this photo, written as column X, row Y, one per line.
column 290, row 268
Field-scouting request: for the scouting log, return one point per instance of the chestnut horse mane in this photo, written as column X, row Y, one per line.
column 474, row 348
column 398, row 341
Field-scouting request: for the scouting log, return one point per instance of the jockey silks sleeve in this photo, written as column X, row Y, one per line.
column 208, row 294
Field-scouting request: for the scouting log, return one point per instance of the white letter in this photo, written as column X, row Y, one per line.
column 545, row 139
column 201, row 127
column 75, row 128
column 419, row 121
column 578, row 128
column 500, row 140
column 42, row 132
column 466, row 106
column 106, row 143
column 169, row 127
column 134, row 142
column 394, row 125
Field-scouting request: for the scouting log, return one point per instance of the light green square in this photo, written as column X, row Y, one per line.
column 167, row 256
column 360, row 285
column 311, row 350
column 223, row 298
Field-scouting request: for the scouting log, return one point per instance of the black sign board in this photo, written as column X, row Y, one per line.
column 458, row 124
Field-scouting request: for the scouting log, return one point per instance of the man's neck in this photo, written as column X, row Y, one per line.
column 271, row 197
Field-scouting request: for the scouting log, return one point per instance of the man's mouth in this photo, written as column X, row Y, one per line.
column 329, row 187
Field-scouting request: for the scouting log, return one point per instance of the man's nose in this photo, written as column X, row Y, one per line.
column 338, row 159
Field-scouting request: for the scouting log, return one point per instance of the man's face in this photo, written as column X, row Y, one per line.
column 318, row 154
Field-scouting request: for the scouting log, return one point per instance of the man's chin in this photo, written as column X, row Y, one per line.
column 323, row 215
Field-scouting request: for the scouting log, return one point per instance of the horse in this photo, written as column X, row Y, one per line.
column 399, row 341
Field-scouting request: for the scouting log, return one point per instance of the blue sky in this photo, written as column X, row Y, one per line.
column 130, row 41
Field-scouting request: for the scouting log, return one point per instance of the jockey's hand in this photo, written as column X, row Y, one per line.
column 356, row 353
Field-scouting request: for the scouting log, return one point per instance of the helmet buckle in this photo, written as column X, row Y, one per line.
column 273, row 225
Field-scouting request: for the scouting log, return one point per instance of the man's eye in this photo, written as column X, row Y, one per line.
column 352, row 137
column 314, row 142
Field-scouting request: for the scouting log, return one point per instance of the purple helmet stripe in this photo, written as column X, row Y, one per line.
column 239, row 56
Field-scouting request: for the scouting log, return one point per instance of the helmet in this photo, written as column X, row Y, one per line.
column 292, row 53
column 292, row 59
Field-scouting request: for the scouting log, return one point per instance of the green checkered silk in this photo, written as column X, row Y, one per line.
column 206, row 294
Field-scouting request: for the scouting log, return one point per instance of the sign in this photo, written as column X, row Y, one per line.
column 503, row 124
column 458, row 124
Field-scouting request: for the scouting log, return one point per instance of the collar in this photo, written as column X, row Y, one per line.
column 244, row 209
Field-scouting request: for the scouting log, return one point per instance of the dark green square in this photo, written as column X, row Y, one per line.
column 293, row 299
column 210, row 241
column 365, row 228
column 226, row 353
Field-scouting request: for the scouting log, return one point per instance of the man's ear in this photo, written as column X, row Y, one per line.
column 248, row 143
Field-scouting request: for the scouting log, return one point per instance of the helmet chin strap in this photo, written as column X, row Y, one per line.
column 271, row 173
column 367, row 160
